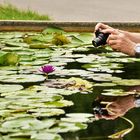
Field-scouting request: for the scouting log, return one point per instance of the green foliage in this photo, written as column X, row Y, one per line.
column 8, row 58
column 60, row 39
column 9, row 12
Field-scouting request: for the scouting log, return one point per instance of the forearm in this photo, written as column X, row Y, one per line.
column 135, row 37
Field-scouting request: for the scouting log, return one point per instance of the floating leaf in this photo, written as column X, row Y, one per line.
column 117, row 92
column 104, row 77
column 31, row 78
column 61, row 103
column 49, row 136
column 16, row 44
column 79, row 115
column 43, row 112
column 7, row 59
column 104, row 84
column 73, row 120
column 38, row 46
column 9, row 88
column 127, row 82
column 64, row 127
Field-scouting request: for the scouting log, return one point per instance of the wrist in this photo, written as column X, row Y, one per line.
column 131, row 49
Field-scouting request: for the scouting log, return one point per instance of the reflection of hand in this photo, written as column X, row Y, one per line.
column 119, row 107
column 118, row 40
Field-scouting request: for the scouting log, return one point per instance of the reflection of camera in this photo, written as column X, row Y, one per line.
column 100, row 38
column 99, row 108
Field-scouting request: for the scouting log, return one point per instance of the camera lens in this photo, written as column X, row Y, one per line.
column 100, row 38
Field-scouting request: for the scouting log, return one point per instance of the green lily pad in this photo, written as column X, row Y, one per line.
column 79, row 115
column 28, row 123
column 7, row 72
column 8, row 58
column 64, row 127
column 104, row 77
column 117, row 92
column 22, row 78
column 127, row 82
column 16, row 44
column 39, row 46
column 10, row 35
column 61, row 103
column 73, row 120
column 104, row 84
column 49, row 136
column 43, row 112
column 10, row 88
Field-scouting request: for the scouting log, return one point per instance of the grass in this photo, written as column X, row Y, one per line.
column 9, row 12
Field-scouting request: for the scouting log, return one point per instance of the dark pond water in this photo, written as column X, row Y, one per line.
column 99, row 65
column 102, row 128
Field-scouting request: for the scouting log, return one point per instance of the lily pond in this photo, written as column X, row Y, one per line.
column 49, row 80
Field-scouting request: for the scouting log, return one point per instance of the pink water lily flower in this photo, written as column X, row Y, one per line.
column 47, row 69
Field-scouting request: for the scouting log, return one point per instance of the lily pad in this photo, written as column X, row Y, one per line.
column 49, row 136
column 104, row 77
column 73, row 120
column 64, row 127
column 117, row 92
column 28, row 123
column 128, row 82
column 30, row 78
column 10, row 88
column 104, row 84
column 79, row 115
column 43, row 112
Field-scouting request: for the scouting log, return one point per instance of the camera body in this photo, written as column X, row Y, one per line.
column 100, row 38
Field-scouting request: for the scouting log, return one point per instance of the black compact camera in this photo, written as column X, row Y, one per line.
column 100, row 38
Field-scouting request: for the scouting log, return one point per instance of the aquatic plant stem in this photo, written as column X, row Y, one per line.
column 121, row 133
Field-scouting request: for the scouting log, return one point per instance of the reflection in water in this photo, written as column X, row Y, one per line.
column 112, row 109
column 105, row 126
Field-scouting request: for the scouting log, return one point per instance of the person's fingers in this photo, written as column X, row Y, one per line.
column 101, row 26
column 111, row 31
column 112, row 43
column 111, row 40
column 113, row 37
column 115, row 47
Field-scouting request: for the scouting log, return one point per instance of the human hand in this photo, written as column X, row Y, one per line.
column 103, row 27
column 118, row 40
